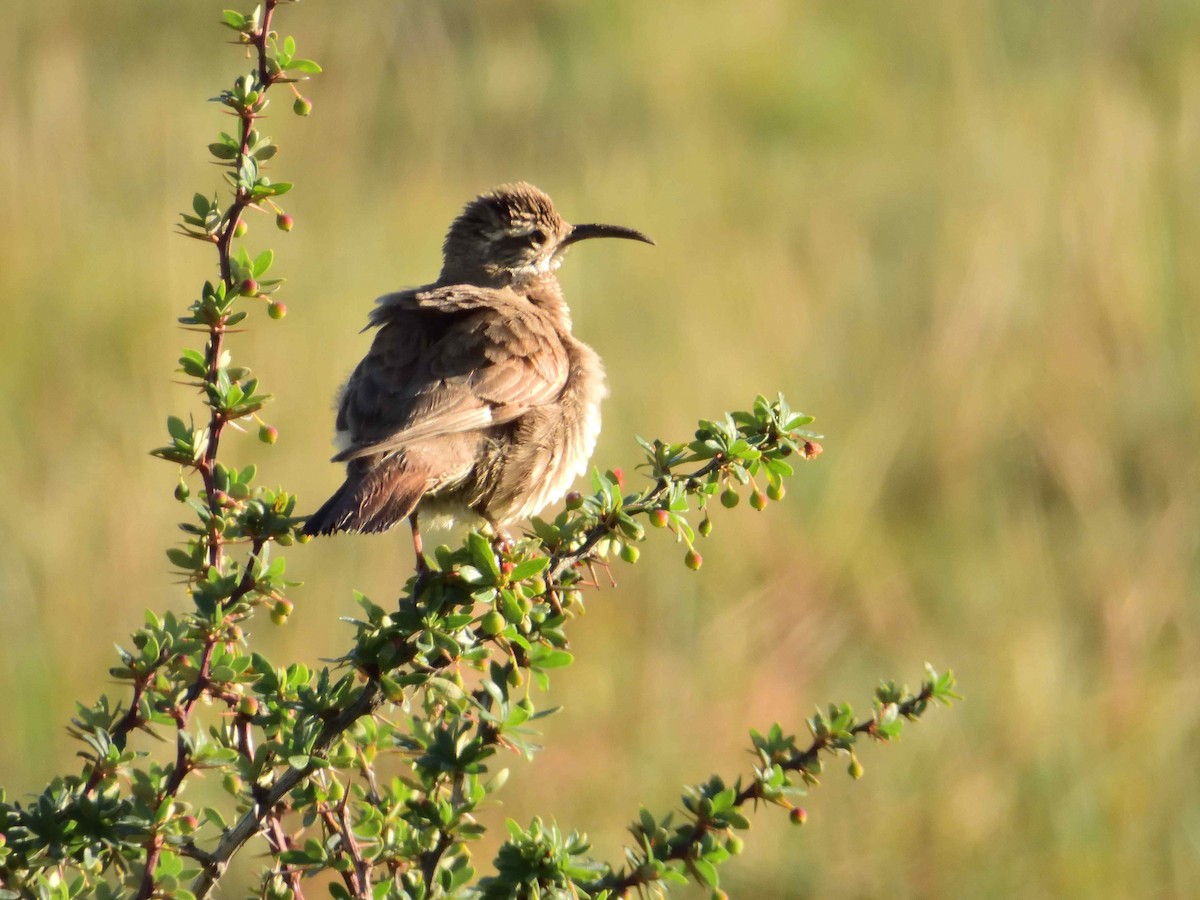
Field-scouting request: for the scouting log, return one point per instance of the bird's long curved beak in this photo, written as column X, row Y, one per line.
column 583, row 232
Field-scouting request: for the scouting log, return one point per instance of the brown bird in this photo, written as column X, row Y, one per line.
column 475, row 398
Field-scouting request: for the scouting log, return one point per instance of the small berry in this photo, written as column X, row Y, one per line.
column 268, row 434
column 220, row 498
column 798, row 815
column 619, row 477
column 719, row 894
column 812, row 449
column 515, row 677
column 302, row 106
column 855, row 769
column 248, row 706
column 630, row 553
column 280, row 611
column 659, row 518
column 758, row 500
column 232, row 783
column 526, row 705
column 706, row 527
column 284, row 222
column 574, row 500
column 693, row 560
column 182, row 492
column 240, row 229
column 189, row 823
column 730, row 498
column 776, row 491
column 785, row 450
column 734, row 844
column 277, row 309
column 249, row 287
column 506, row 568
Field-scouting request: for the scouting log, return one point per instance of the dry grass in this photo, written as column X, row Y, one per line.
column 962, row 234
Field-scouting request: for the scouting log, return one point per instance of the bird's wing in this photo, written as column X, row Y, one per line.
column 453, row 299
column 446, row 361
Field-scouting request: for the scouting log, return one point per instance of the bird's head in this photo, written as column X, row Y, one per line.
column 512, row 235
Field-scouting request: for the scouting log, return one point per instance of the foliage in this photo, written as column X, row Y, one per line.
column 437, row 685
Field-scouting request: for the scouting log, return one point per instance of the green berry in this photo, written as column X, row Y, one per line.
column 630, row 553
column 240, row 229
column 705, row 527
column 277, row 310
column 693, row 560
column 855, row 769
column 758, row 500
column 182, row 491
column 302, row 106
column 729, row 498
column 776, row 491
column 268, row 434
column 574, row 500
column 492, row 623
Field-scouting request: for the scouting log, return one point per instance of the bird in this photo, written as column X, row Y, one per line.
column 475, row 400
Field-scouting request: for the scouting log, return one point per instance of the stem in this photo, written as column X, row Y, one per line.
column 370, row 698
column 802, row 760
column 207, row 468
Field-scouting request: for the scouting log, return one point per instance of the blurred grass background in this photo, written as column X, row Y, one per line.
column 964, row 235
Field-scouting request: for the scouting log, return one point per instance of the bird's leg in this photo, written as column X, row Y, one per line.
column 422, row 566
column 502, row 542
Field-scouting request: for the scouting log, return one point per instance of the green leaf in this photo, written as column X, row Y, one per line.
column 223, row 151
column 706, row 871
column 306, row 66
column 180, row 558
column 483, row 556
column 529, row 568
column 262, row 262
column 552, row 659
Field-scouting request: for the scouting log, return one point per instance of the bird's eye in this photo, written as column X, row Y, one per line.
column 537, row 236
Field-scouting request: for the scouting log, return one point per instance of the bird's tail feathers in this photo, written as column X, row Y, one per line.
column 370, row 500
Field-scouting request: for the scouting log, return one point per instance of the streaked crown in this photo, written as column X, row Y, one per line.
column 507, row 235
